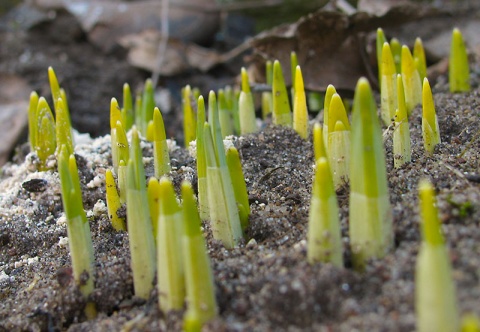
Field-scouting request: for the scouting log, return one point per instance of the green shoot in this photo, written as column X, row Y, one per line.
column 293, row 70
column 315, row 101
column 113, row 202
column 235, row 110
column 246, row 107
column 32, row 121
column 122, row 156
column 239, row 186
column 379, row 43
column 78, row 229
column 281, row 107
column 224, row 218
column 319, row 149
column 324, row 238
column 201, row 302
column 142, row 244
column 137, row 110
column 458, row 70
column 189, row 117
column 201, row 162
column 435, row 299
column 171, row 231
column 326, row 106
column 401, row 133
column 153, row 193
column 115, row 115
column 54, row 86
column 300, row 113
column 224, row 114
column 470, row 323
column 420, row 59
column 150, row 131
column 430, row 130
column 338, row 145
column 267, row 100
column 62, row 127
column 45, row 136
column 146, row 110
column 396, row 49
column 127, row 109
column 411, row 81
column 161, row 157
column 388, row 89
column 57, row 93
column 370, row 225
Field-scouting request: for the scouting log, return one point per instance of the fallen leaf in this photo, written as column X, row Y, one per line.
column 179, row 56
column 107, row 21
column 330, row 46
column 14, row 96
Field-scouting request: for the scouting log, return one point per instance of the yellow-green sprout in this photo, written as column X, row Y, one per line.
column 246, row 107
column 420, row 59
column 78, row 229
column 150, row 131
column 338, row 144
column 153, row 193
column 319, row 149
column 388, row 87
column 293, row 70
column 267, row 100
column 370, row 224
column 470, row 323
column 430, row 130
column 282, row 114
column 458, row 70
column 146, row 110
column 115, row 115
column 189, row 117
column 200, row 289
column 401, row 134
column 435, row 298
column 62, row 126
column 224, row 217
column 113, row 202
column 171, row 232
column 324, row 237
column 239, row 185
column 127, row 109
column 396, row 49
column 326, row 106
column 161, row 158
column 122, row 157
column 33, row 121
column 224, row 114
column 300, row 113
column 140, row 232
column 379, row 45
column 202, row 183
column 45, row 136
column 58, row 92
column 411, row 81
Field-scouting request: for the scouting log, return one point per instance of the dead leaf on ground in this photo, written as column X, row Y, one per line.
column 330, row 46
column 14, row 93
column 107, row 21
column 179, row 56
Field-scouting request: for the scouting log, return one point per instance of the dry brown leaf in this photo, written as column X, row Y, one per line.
column 14, row 93
column 330, row 46
column 107, row 21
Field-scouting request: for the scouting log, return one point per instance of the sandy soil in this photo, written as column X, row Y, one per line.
column 265, row 284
